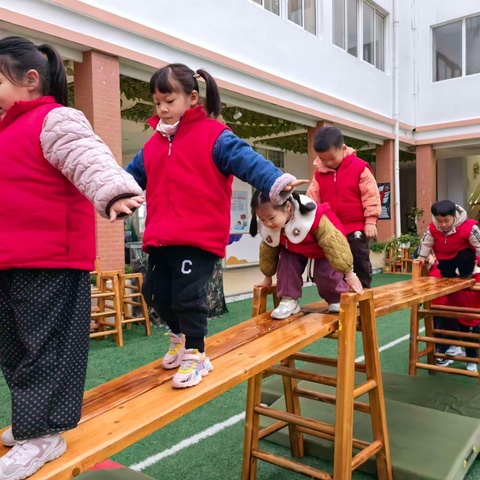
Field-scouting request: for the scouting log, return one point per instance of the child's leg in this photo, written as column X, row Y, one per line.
column 44, row 338
column 471, row 352
column 443, row 323
column 359, row 245
column 192, row 269
column 290, row 269
column 157, row 288
column 330, row 283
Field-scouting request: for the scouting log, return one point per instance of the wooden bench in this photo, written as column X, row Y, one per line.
column 121, row 412
column 434, row 336
column 377, row 302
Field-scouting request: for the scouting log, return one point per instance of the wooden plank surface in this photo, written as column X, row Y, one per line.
column 128, row 423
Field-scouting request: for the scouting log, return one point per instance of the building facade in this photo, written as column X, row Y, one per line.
column 400, row 76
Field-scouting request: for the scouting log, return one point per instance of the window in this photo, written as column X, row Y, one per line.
column 456, row 49
column 357, row 22
column 300, row 12
column 275, row 156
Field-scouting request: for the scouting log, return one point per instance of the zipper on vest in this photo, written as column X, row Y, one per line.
column 169, row 147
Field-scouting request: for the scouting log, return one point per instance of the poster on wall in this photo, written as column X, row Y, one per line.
column 385, row 198
column 239, row 212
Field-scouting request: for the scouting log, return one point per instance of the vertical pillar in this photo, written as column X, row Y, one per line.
column 97, row 95
column 426, row 183
column 384, row 173
column 312, row 155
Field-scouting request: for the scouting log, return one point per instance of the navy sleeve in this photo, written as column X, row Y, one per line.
column 234, row 156
column 137, row 169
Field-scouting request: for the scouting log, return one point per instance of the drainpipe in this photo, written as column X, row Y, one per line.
column 396, row 80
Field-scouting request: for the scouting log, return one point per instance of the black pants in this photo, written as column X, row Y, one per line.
column 471, row 352
column 444, row 323
column 464, row 261
column 175, row 286
column 44, row 336
column 359, row 245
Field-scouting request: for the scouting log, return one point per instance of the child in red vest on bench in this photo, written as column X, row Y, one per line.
column 302, row 229
column 187, row 169
column 453, row 238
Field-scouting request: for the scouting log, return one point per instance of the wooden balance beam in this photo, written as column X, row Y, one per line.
column 121, row 412
column 374, row 303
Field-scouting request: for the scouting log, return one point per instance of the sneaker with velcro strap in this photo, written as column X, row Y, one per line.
column 286, row 308
column 28, row 456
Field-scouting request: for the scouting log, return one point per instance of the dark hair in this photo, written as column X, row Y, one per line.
column 326, row 138
column 260, row 198
column 443, row 208
column 176, row 75
column 19, row 55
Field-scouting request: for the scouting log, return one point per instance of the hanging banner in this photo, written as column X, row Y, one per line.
column 384, row 189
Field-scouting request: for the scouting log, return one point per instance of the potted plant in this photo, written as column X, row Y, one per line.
column 404, row 240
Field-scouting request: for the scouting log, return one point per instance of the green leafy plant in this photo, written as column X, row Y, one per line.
column 377, row 246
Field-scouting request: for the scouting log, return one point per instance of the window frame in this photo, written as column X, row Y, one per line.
column 464, row 73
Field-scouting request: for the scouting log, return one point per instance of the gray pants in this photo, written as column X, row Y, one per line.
column 44, row 336
column 329, row 282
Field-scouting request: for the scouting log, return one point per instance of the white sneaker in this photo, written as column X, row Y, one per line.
column 333, row 308
column 286, row 308
column 194, row 367
column 472, row 367
column 7, row 438
column 173, row 358
column 28, row 456
column 454, row 351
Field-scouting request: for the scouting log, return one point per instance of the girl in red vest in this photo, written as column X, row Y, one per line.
column 53, row 168
column 302, row 229
column 453, row 238
column 187, row 169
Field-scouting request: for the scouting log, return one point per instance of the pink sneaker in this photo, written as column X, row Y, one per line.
column 28, row 456
column 7, row 438
column 194, row 367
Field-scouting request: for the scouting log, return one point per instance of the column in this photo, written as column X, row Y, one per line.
column 426, row 183
column 312, row 155
column 97, row 95
column 384, row 166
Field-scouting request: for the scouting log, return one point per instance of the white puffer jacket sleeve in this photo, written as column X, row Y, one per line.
column 70, row 145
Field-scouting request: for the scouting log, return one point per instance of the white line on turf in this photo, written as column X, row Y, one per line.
column 218, row 427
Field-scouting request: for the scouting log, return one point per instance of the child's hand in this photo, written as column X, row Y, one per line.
column 267, row 282
column 294, row 184
column 370, row 230
column 354, row 282
column 126, row 206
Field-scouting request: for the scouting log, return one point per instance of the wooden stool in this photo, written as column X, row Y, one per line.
column 131, row 297
column 106, row 307
column 346, row 392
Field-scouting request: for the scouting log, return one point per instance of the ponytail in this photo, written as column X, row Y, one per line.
column 213, row 103
column 57, row 77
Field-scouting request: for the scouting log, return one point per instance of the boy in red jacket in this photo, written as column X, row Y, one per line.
column 347, row 183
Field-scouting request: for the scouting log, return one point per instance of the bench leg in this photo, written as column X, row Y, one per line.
column 292, row 404
column 252, row 427
column 345, row 386
column 376, row 397
column 429, row 333
column 414, row 332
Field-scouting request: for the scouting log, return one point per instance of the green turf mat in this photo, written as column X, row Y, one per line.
column 425, row 444
column 113, row 474
column 446, row 393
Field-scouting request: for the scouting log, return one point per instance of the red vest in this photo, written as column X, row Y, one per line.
column 188, row 198
column 46, row 222
column 310, row 248
column 340, row 188
column 447, row 246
